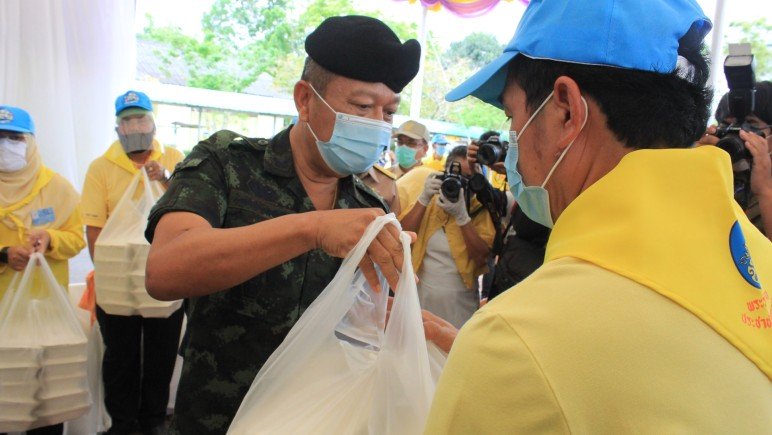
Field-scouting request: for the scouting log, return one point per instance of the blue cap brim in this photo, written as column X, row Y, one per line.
column 15, row 128
column 486, row 84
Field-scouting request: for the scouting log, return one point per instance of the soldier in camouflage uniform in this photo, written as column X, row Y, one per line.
column 252, row 230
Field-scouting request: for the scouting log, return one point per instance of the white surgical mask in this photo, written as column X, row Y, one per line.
column 13, row 155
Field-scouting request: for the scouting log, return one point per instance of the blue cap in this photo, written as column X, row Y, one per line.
column 15, row 119
column 634, row 34
column 439, row 139
column 132, row 99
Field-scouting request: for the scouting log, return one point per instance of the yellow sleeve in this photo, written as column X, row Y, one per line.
column 67, row 240
column 409, row 188
column 404, row 200
column 93, row 202
column 172, row 156
column 492, row 384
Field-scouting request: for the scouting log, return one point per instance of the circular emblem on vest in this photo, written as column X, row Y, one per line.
column 741, row 256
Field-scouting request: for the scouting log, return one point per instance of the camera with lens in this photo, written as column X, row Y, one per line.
column 492, row 151
column 452, row 182
column 738, row 68
column 741, row 102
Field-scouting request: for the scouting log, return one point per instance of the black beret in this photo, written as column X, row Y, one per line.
column 366, row 49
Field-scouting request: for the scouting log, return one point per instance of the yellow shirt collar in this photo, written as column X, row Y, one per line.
column 117, row 155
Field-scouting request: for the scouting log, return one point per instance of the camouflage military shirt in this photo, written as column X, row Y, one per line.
column 233, row 181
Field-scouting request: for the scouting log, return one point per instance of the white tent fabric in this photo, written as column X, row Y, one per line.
column 65, row 61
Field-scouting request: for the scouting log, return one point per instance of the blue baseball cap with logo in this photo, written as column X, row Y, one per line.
column 439, row 139
column 635, row 34
column 133, row 99
column 16, row 119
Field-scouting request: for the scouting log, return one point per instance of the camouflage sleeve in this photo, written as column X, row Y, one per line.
column 197, row 186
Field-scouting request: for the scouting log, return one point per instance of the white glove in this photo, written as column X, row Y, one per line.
column 431, row 188
column 456, row 209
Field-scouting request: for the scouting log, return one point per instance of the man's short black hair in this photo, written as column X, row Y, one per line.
column 644, row 109
column 763, row 109
column 456, row 152
column 488, row 134
column 317, row 75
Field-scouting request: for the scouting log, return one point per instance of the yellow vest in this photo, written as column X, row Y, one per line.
column 696, row 248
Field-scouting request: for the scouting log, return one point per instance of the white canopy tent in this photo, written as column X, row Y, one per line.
column 65, row 61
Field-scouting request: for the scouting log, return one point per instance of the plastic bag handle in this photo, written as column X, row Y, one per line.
column 35, row 259
column 146, row 182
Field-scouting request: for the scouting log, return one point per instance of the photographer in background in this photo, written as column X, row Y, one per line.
column 755, row 198
column 412, row 146
column 524, row 240
column 455, row 236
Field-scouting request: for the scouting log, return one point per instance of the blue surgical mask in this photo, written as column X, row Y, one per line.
column 406, row 156
column 533, row 200
column 356, row 142
column 441, row 150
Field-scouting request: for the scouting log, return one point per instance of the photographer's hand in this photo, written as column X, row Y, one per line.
column 471, row 153
column 761, row 172
column 761, row 176
column 456, row 209
column 431, row 188
column 709, row 138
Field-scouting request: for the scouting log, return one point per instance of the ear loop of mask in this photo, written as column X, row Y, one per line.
column 325, row 103
column 563, row 154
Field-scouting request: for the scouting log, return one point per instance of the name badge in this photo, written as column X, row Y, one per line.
column 43, row 216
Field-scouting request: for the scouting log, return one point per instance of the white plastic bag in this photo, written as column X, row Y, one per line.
column 339, row 371
column 42, row 353
column 121, row 254
column 96, row 420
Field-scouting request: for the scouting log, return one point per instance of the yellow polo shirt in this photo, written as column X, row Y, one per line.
column 66, row 239
column 410, row 187
column 651, row 314
column 109, row 176
column 435, row 164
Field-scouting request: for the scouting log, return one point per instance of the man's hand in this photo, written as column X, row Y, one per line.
column 155, row 172
column 456, row 209
column 40, row 240
column 436, row 329
column 709, row 138
column 431, row 188
column 338, row 231
column 761, row 172
column 439, row 331
column 18, row 257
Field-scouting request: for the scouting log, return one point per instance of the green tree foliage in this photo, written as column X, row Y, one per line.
column 444, row 71
column 478, row 48
column 244, row 38
column 758, row 33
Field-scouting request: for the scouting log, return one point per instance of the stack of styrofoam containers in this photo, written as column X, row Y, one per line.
column 43, row 357
column 120, row 281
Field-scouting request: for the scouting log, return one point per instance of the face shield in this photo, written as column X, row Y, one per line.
column 136, row 130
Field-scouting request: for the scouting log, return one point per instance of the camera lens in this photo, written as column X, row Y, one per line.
column 451, row 189
column 488, row 154
column 732, row 144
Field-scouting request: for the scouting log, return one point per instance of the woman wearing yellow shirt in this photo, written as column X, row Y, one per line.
column 453, row 242
column 38, row 209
